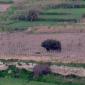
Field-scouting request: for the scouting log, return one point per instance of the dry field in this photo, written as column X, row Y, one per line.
column 66, row 28
column 25, row 46
column 4, row 7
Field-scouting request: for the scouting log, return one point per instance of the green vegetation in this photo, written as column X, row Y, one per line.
column 50, row 79
column 6, row 1
column 72, row 13
column 48, row 16
column 14, row 81
column 15, row 76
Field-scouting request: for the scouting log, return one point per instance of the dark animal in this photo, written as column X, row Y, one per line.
column 51, row 45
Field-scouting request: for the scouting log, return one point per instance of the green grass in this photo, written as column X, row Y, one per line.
column 58, row 17
column 12, row 81
column 50, row 20
column 26, row 78
column 60, row 80
column 48, row 17
column 74, row 12
column 6, row 1
column 39, row 83
column 67, row 10
column 44, row 80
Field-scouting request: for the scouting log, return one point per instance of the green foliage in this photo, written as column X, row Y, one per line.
column 20, row 73
column 6, row 1
column 48, row 16
column 12, row 81
column 50, row 79
column 26, row 78
column 3, row 74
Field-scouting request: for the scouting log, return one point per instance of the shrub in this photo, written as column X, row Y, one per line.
column 15, row 71
column 41, row 69
column 3, row 74
column 51, row 45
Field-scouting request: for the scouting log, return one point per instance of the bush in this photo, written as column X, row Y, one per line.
column 3, row 74
column 51, row 45
column 15, row 71
column 41, row 69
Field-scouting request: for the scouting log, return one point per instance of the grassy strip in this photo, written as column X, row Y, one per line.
column 14, row 76
column 49, row 17
column 70, row 64
column 26, row 78
column 6, row 1
column 58, row 64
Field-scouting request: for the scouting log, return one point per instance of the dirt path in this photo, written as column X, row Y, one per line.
column 65, row 71
column 4, row 7
column 54, row 59
column 65, row 28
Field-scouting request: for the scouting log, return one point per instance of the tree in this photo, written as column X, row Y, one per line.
column 41, row 69
column 51, row 45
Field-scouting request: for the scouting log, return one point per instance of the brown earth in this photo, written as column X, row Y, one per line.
column 4, row 7
column 66, row 28
column 21, row 45
column 65, row 71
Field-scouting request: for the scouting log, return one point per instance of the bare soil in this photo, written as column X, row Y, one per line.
column 65, row 71
column 25, row 46
column 66, row 28
column 4, row 7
